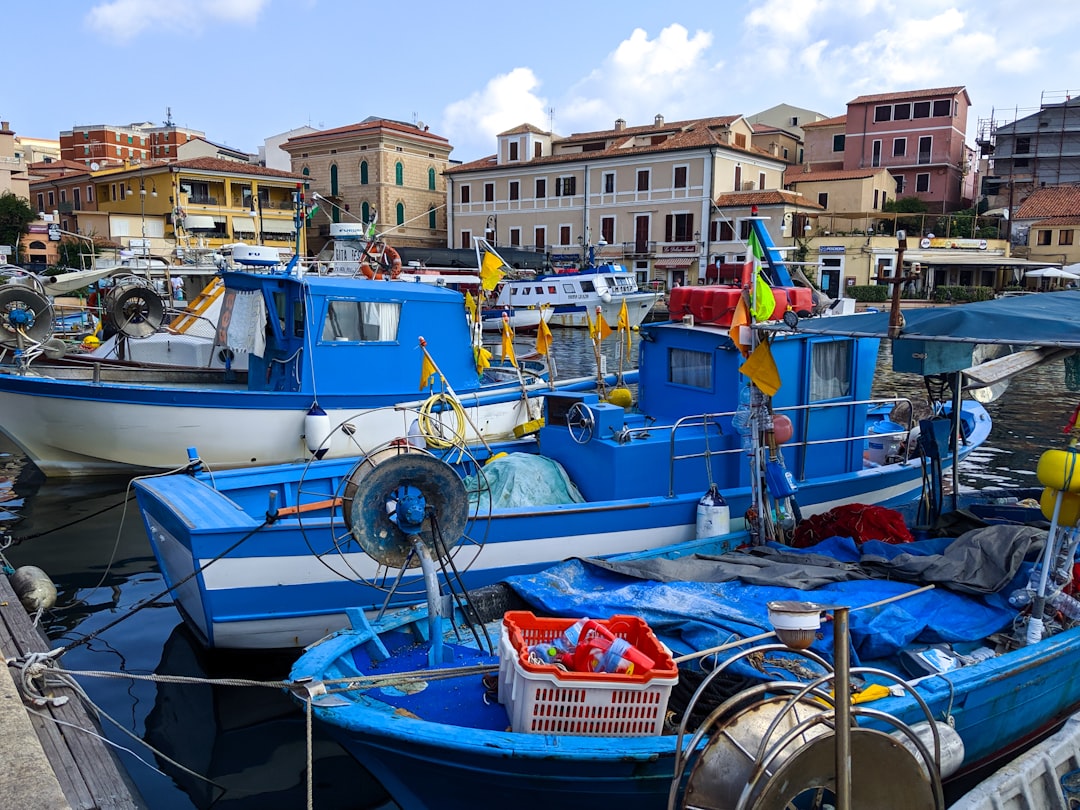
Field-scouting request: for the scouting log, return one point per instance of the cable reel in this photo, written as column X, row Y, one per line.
column 25, row 313
column 388, row 502
column 135, row 308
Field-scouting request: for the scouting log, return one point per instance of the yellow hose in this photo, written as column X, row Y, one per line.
column 432, row 427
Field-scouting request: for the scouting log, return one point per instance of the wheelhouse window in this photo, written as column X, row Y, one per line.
column 830, row 370
column 692, row 368
column 362, row 321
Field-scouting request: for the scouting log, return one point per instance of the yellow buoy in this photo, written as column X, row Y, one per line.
column 621, row 397
column 1060, row 469
column 1069, row 514
column 91, row 342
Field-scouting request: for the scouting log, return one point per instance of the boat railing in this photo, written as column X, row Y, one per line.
column 877, row 403
column 710, row 420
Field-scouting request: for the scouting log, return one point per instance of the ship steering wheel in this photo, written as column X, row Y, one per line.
column 580, row 421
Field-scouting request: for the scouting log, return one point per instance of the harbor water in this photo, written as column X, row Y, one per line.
column 236, row 745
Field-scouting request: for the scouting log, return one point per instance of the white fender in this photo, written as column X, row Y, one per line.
column 317, row 430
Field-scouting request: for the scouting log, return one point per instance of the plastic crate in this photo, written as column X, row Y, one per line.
column 544, row 699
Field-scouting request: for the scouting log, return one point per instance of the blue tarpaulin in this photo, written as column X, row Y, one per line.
column 697, row 615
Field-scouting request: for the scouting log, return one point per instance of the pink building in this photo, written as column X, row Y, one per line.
column 919, row 136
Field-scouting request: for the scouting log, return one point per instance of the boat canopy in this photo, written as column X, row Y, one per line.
column 1038, row 319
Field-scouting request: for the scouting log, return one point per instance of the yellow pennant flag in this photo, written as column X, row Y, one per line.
column 543, row 336
column 490, row 270
column 740, row 319
column 470, row 306
column 482, row 357
column 624, row 323
column 602, row 328
column 761, row 369
column 508, row 343
column 427, row 370
column 592, row 326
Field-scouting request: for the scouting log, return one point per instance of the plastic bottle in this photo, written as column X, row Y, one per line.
column 562, row 647
column 1066, row 605
column 600, row 654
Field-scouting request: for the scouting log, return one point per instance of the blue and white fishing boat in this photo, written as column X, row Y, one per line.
column 320, row 350
column 572, row 298
column 974, row 630
column 271, row 557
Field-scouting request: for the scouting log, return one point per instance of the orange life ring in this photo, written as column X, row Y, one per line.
column 389, row 257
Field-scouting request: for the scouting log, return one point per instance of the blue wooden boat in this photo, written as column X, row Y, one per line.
column 958, row 652
column 975, row 631
column 321, row 351
column 271, row 557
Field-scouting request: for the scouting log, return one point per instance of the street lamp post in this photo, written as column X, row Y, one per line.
column 142, row 211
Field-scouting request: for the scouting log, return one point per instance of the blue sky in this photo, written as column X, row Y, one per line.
column 243, row 70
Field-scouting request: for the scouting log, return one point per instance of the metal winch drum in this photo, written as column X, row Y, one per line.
column 24, row 314
column 390, row 497
column 135, row 308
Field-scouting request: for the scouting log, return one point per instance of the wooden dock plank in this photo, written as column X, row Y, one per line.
column 83, row 763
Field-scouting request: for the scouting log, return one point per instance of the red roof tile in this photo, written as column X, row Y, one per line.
column 795, row 174
column 839, row 120
column 907, row 94
column 363, row 127
column 765, row 197
column 212, row 164
column 1050, row 201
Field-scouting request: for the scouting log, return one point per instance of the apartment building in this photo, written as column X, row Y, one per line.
column 112, row 145
column 380, row 168
column 919, row 136
column 13, row 176
column 1035, row 150
column 640, row 196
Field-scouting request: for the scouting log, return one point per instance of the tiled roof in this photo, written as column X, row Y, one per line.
column 795, row 174
column 907, row 94
column 523, row 128
column 1051, row 201
column 839, row 120
column 764, row 197
column 212, row 164
column 677, row 135
column 365, row 127
column 1054, row 222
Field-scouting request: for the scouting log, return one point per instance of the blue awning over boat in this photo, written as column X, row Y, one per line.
column 1039, row 319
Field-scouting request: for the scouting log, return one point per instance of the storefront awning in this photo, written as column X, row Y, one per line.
column 970, row 260
column 199, row 222
column 243, row 224
column 673, row 263
column 278, row 226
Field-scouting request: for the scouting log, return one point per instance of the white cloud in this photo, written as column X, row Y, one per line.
column 670, row 75
column 122, row 20
column 507, row 100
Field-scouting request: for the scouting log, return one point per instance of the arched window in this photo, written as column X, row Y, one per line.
column 306, row 173
column 401, row 213
column 37, row 245
column 333, row 181
column 363, row 173
column 399, row 173
column 365, row 212
column 431, row 217
column 431, row 179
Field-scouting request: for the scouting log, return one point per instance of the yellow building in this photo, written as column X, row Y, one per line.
column 169, row 209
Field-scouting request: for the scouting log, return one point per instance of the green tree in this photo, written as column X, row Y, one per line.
column 15, row 218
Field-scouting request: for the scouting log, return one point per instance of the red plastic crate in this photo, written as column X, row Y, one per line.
column 544, row 699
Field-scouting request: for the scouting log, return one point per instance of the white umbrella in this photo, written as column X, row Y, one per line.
column 1072, row 268
column 1052, row 272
